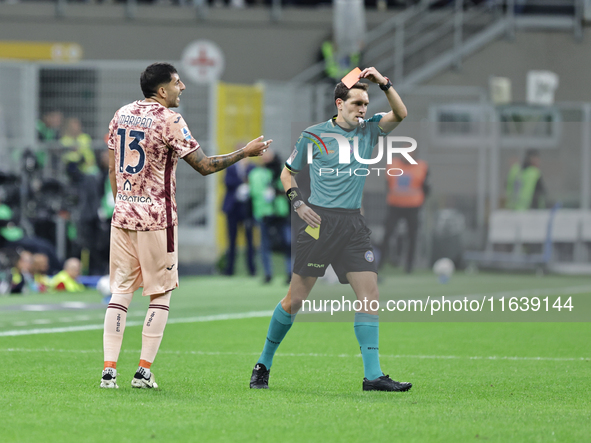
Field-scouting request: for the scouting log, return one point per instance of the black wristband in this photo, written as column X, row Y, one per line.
column 294, row 195
column 387, row 86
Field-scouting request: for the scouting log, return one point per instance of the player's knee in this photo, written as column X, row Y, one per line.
column 121, row 299
column 161, row 299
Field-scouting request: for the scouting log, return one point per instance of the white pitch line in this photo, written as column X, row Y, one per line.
column 280, row 354
column 203, row 318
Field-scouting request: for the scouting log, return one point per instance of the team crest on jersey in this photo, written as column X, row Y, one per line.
column 186, row 133
column 369, row 256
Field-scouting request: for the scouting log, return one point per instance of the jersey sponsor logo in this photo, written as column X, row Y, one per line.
column 135, row 120
column 369, row 256
column 186, row 133
column 127, row 185
column 134, row 199
column 316, row 265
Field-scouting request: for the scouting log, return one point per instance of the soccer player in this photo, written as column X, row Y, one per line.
column 335, row 231
column 146, row 139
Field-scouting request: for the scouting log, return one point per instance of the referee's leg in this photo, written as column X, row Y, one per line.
column 365, row 285
column 299, row 290
column 280, row 324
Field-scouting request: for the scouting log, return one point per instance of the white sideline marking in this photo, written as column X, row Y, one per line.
column 74, row 305
column 36, row 308
column 202, row 318
column 280, row 354
column 78, row 318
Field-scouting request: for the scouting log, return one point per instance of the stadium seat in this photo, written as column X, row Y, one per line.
column 586, row 234
column 533, row 226
column 524, row 232
column 566, row 238
column 503, row 228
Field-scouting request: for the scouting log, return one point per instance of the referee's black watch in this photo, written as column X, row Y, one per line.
column 387, row 86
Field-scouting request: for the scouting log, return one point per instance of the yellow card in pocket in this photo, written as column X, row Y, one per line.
column 314, row 232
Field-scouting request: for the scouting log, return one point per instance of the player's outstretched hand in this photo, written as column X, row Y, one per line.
column 256, row 147
column 373, row 75
column 307, row 214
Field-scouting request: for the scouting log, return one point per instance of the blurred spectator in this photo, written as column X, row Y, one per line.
column 12, row 236
column 21, row 279
column 271, row 211
column 525, row 188
column 66, row 280
column 337, row 65
column 238, row 210
column 48, row 130
column 84, row 173
column 48, row 127
column 406, row 195
column 80, row 159
column 510, row 196
column 39, row 270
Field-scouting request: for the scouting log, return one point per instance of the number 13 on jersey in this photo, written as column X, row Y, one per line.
column 134, row 137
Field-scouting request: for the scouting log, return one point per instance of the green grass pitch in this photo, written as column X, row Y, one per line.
column 494, row 382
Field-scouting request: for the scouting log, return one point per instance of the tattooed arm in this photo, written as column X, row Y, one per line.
column 208, row 165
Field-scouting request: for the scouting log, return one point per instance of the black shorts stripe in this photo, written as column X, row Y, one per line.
column 170, row 239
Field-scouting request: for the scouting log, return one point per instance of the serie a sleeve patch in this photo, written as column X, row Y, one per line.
column 186, row 133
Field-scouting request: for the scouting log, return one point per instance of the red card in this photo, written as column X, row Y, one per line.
column 351, row 78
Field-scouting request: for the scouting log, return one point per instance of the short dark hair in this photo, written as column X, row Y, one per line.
column 155, row 75
column 341, row 91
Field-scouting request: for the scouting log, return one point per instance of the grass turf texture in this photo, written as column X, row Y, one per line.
column 203, row 370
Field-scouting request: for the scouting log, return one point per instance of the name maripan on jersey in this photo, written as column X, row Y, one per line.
column 134, row 199
column 135, row 120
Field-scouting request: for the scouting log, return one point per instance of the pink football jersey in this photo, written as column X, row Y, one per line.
column 147, row 139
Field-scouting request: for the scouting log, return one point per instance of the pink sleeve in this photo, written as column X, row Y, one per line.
column 178, row 136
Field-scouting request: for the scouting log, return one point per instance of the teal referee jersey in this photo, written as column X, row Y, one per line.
column 334, row 184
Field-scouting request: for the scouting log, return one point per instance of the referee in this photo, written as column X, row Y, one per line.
column 332, row 215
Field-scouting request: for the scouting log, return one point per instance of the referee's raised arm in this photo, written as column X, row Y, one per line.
column 398, row 112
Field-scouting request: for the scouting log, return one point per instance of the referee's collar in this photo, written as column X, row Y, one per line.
column 333, row 122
